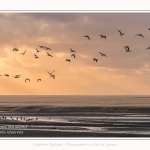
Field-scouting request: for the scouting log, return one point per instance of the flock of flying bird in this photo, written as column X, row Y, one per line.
column 72, row 55
column 121, row 34
column 27, row 79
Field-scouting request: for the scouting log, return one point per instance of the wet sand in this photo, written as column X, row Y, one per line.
column 74, row 128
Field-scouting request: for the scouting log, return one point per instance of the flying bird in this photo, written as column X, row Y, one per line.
column 27, row 79
column 127, row 49
column 41, row 46
column 148, row 48
column 139, row 35
column 74, row 55
column 15, row 49
column 102, row 54
column 17, row 76
column 49, row 55
column 7, row 75
column 53, row 76
column 121, row 33
column 51, row 72
column 68, row 60
column 87, row 36
column 23, row 52
column 38, row 80
column 102, row 36
column 47, row 48
column 72, row 50
column 94, row 59
column 37, row 50
column 36, row 56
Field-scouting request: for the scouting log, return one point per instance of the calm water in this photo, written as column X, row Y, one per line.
column 75, row 100
column 120, row 115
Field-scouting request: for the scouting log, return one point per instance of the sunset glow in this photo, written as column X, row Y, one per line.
column 121, row 73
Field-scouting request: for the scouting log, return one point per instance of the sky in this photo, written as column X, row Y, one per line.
column 121, row 73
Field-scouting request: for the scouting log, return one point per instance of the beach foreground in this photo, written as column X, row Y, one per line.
column 48, row 121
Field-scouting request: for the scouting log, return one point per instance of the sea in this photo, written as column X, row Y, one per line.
column 74, row 116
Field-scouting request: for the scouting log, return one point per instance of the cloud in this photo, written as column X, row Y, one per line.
column 62, row 31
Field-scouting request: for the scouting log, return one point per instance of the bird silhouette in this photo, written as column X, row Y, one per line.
column 102, row 54
column 70, row 120
column 51, row 72
column 41, row 46
column 94, row 59
column 148, row 48
column 139, row 35
column 27, row 79
column 36, row 56
column 7, row 75
column 72, row 50
column 68, row 60
column 49, row 54
column 52, row 76
column 17, row 76
column 15, row 49
column 127, row 49
column 38, row 80
column 23, row 52
column 37, row 50
column 74, row 55
column 102, row 36
column 87, row 36
column 121, row 33
column 47, row 48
